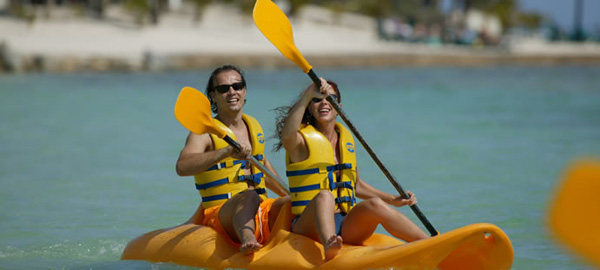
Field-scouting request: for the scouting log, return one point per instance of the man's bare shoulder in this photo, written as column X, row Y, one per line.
column 198, row 143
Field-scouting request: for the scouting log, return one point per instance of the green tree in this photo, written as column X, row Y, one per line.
column 505, row 10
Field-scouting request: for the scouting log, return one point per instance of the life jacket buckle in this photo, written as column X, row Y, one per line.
column 255, row 178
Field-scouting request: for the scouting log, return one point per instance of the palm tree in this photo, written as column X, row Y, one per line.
column 578, row 31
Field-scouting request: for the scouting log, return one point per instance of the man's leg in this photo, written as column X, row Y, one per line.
column 237, row 216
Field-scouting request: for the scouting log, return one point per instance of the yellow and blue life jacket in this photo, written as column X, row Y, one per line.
column 226, row 178
column 306, row 178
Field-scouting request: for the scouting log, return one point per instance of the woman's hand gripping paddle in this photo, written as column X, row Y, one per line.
column 193, row 111
column 276, row 27
column 574, row 212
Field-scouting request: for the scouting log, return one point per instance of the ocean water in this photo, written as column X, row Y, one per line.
column 87, row 160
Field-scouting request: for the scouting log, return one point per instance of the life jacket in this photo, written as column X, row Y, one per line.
column 318, row 172
column 226, row 178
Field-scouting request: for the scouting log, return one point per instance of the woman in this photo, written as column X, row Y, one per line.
column 324, row 181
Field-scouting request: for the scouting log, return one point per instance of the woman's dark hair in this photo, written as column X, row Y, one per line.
column 283, row 112
column 210, row 86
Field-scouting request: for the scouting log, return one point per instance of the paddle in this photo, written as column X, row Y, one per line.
column 193, row 111
column 276, row 27
column 574, row 212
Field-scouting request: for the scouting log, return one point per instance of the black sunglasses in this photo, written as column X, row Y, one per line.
column 224, row 88
column 317, row 100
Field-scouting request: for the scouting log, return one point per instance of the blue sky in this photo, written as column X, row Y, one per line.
column 563, row 12
column 560, row 11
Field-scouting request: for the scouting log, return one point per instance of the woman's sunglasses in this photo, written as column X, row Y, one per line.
column 224, row 88
column 317, row 100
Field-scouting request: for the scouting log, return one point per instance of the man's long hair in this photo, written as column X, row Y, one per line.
column 210, row 86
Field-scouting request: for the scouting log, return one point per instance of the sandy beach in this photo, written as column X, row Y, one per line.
column 66, row 43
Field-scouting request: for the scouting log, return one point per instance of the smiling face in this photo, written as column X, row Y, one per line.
column 322, row 111
column 231, row 100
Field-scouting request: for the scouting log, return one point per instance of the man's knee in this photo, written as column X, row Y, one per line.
column 248, row 197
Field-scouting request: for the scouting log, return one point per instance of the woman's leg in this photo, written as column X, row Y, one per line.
column 362, row 220
column 317, row 222
column 238, row 215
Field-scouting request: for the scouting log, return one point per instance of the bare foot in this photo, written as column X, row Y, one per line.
column 250, row 247
column 332, row 247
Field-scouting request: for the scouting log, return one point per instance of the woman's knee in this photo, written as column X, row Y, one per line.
column 324, row 196
column 376, row 204
column 377, row 209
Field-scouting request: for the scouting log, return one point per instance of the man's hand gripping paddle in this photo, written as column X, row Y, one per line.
column 193, row 111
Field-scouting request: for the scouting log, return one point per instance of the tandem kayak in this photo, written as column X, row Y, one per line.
column 480, row 246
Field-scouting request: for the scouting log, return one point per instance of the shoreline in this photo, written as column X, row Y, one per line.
column 158, row 63
column 74, row 44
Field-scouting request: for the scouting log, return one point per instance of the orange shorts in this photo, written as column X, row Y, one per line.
column 262, row 232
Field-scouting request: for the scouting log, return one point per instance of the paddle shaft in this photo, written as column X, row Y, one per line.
column 254, row 161
column 385, row 171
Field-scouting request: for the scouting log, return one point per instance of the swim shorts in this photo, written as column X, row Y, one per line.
column 262, row 232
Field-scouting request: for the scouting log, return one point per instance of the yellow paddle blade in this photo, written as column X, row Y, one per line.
column 276, row 27
column 192, row 110
column 574, row 216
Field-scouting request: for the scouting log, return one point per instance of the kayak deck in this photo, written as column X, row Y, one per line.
column 480, row 246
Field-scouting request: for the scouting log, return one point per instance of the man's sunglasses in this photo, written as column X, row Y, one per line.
column 317, row 100
column 224, row 88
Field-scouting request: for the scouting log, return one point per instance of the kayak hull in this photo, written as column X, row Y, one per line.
column 478, row 246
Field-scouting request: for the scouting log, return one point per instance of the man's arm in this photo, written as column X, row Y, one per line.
column 197, row 155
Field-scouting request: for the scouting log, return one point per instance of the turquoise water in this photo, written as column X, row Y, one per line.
column 88, row 159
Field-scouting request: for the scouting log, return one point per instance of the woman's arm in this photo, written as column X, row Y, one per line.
column 291, row 139
column 366, row 191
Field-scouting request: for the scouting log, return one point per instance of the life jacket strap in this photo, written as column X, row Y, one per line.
column 302, row 172
column 216, row 197
column 299, row 203
column 256, row 178
column 340, row 166
column 351, row 200
column 345, row 184
column 305, row 188
column 226, row 164
column 330, row 169
column 213, row 183
column 336, row 167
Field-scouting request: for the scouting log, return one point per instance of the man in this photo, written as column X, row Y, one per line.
column 234, row 200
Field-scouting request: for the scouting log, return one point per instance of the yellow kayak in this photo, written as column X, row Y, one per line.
column 478, row 246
